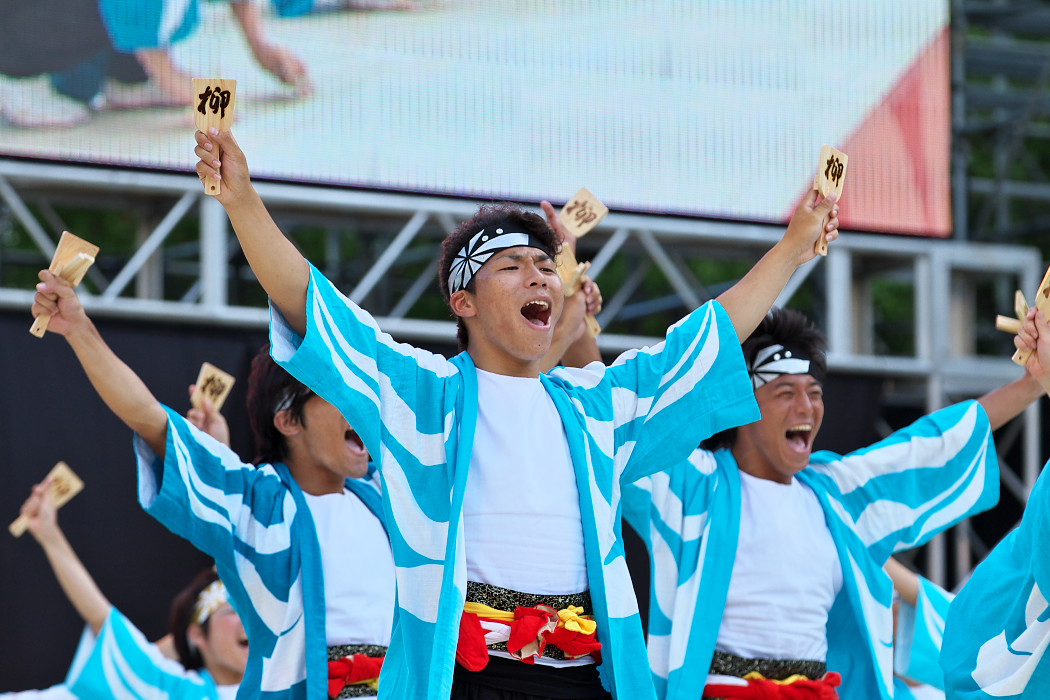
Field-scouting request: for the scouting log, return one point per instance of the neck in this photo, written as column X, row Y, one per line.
column 500, row 363
column 224, row 676
column 747, row 463
column 314, row 480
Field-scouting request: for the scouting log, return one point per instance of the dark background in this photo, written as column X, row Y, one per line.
column 51, row 413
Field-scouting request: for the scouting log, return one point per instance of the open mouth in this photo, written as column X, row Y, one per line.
column 798, row 436
column 353, row 440
column 537, row 313
column 243, row 642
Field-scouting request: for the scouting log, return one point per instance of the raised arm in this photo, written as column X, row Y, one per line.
column 572, row 345
column 121, row 389
column 905, row 581
column 584, row 350
column 1006, row 402
column 74, row 579
column 750, row 299
column 281, row 269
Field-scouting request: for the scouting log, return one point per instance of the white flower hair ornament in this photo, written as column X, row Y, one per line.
column 213, row 597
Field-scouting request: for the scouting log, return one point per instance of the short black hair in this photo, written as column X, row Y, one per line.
column 268, row 386
column 781, row 327
column 504, row 215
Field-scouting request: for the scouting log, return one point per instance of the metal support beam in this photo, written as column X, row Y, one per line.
column 608, row 251
column 149, row 246
column 389, row 255
column 678, row 282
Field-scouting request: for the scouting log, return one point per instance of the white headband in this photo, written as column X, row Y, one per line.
column 773, row 361
column 479, row 249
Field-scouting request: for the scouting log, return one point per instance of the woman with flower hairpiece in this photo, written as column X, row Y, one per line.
column 114, row 658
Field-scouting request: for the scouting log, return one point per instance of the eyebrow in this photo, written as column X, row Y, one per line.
column 777, row 383
column 539, row 255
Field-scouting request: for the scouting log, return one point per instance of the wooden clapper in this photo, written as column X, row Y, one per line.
column 1013, row 325
column 71, row 261
column 831, row 178
column 579, row 215
column 213, row 384
column 213, row 103
column 64, row 485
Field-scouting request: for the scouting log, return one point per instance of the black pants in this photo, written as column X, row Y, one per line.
column 506, row 679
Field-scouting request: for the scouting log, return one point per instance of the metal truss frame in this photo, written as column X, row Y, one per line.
column 1000, row 74
column 664, row 266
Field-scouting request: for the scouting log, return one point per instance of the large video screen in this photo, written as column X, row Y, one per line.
column 713, row 108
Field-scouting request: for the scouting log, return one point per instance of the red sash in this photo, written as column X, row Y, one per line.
column 764, row 689
column 351, row 670
column 527, row 633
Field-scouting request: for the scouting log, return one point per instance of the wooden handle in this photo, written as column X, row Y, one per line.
column 65, row 484
column 574, row 283
column 39, row 327
column 1007, row 324
column 821, row 248
column 212, row 184
column 213, row 104
column 73, row 272
column 19, row 526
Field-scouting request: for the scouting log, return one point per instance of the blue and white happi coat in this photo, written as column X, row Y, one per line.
column 891, row 496
column 122, row 664
column 417, row 412
column 917, row 644
column 998, row 630
column 255, row 523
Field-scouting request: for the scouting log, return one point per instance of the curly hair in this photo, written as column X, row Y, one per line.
column 782, row 327
column 505, row 215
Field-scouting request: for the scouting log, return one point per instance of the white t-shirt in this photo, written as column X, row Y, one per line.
column 521, row 509
column 785, row 577
column 227, row 692
column 358, row 566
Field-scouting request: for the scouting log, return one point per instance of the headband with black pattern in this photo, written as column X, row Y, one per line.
column 480, row 248
column 774, row 360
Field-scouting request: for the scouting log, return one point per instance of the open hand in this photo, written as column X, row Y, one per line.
column 285, row 66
